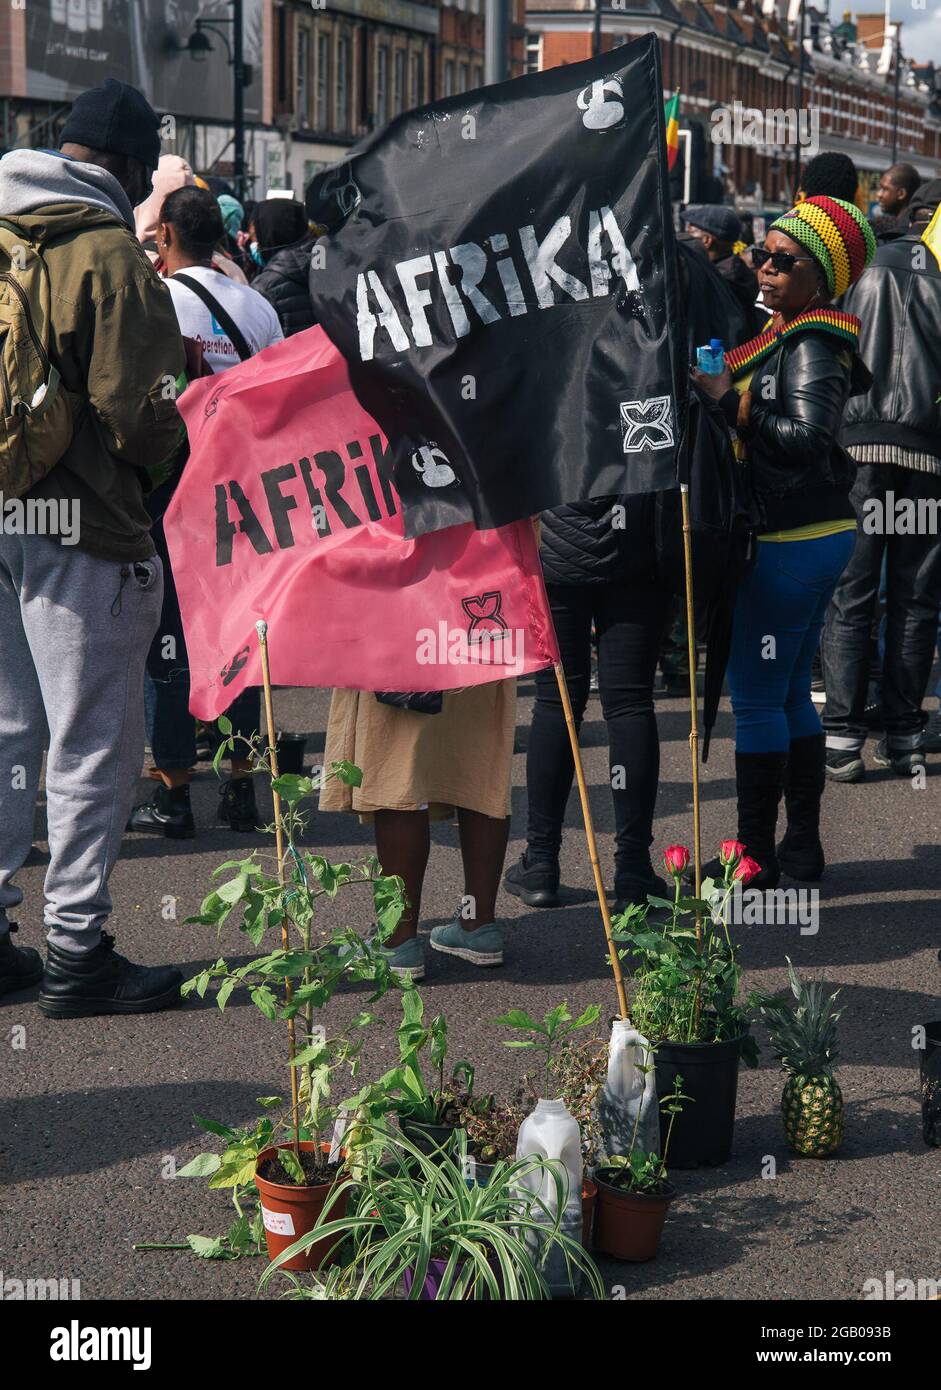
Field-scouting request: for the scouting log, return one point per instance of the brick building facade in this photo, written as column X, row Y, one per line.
column 719, row 53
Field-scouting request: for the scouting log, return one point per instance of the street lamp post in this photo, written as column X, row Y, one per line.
column 596, row 36
column 198, row 46
column 800, row 95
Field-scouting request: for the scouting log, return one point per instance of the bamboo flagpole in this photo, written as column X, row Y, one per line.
column 693, row 706
column 590, row 837
column 261, row 627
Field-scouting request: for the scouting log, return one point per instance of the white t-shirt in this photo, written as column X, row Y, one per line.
column 249, row 310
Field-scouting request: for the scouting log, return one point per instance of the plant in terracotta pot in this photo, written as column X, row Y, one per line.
column 634, row 1193
column 287, row 1158
column 687, row 1001
column 414, row 1226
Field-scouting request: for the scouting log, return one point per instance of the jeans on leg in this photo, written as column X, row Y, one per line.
column 630, row 622
column 779, row 614
column 913, row 596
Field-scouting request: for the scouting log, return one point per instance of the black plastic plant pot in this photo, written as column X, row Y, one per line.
column 702, row 1131
column 291, row 748
column 430, row 1139
column 931, row 1086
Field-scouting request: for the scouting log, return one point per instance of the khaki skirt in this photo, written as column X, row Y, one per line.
column 411, row 761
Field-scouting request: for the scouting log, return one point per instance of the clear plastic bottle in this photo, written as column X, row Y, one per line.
column 551, row 1132
column 629, row 1090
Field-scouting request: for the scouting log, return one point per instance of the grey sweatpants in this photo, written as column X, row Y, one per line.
column 74, row 634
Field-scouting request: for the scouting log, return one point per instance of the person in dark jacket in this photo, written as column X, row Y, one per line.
column 281, row 244
column 599, row 565
column 894, row 434
column 719, row 229
column 785, row 393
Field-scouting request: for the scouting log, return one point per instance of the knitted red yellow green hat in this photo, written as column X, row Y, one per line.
column 836, row 234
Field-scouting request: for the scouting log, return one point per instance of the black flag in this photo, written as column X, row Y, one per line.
column 502, row 283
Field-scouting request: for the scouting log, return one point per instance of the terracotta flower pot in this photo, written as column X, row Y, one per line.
column 589, row 1205
column 628, row 1224
column 289, row 1211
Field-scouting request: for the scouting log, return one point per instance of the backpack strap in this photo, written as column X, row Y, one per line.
column 222, row 317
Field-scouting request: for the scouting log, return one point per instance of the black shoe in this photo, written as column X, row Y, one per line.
column 83, row 984
column 536, row 883
column 237, row 809
column 207, row 741
column 845, row 765
column 20, row 966
column 168, row 813
column 800, row 853
column 931, row 736
column 904, row 761
column 632, row 890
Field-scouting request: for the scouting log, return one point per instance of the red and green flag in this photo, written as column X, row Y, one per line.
column 671, row 112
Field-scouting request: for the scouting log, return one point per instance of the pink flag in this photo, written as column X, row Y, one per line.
column 286, row 511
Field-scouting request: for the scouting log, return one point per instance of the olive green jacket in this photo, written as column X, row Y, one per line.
column 116, row 342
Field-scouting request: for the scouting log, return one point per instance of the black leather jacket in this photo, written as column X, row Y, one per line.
column 799, row 472
column 898, row 300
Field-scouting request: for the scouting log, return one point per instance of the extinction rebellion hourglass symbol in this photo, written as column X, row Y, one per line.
column 486, row 627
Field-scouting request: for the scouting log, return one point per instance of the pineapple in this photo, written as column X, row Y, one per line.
column 804, row 1038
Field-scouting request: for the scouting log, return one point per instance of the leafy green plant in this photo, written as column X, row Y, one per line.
column 492, row 1127
column 411, row 1208
column 547, row 1037
column 687, row 980
column 440, row 1103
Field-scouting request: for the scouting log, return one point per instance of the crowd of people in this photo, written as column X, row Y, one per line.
column 829, row 401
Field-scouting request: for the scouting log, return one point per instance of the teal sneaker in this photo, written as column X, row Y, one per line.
column 407, row 961
column 481, row 947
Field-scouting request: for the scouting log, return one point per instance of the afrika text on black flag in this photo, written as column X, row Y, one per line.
column 503, row 288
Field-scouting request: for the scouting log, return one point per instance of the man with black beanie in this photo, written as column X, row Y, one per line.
column 80, row 604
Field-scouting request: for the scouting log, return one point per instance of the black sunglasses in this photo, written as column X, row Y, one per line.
column 782, row 261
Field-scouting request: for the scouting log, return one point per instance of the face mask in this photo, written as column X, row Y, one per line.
column 255, row 254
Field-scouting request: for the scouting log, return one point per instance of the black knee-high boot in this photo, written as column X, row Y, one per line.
column 759, row 780
column 800, row 853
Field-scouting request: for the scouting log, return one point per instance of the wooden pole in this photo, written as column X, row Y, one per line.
column 693, row 704
column 261, row 627
column 590, row 837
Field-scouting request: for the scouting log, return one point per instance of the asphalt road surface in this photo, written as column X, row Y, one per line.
column 95, row 1114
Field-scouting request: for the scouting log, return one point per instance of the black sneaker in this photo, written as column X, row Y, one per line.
column 168, row 813
column 20, row 966
column 931, row 736
column 632, row 889
column 536, row 883
column 845, row 765
column 84, row 984
column 237, row 809
column 904, row 761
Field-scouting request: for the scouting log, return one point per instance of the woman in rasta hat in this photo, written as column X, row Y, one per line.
column 784, row 393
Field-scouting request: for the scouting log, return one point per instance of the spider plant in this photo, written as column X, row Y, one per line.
column 487, row 1242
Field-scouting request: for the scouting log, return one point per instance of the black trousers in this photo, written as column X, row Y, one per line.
column 630, row 619
column 913, row 598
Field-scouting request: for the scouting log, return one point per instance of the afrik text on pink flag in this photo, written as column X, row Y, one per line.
column 286, row 511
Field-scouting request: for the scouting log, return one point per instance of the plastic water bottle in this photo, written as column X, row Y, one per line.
column 551, row 1132
column 629, row 1096
column 711, row 359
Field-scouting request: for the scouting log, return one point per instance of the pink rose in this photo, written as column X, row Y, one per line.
column 676, row 859
column 746, row 870
column 731, row 851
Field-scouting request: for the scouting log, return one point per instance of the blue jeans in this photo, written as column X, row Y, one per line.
column 779, row 615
